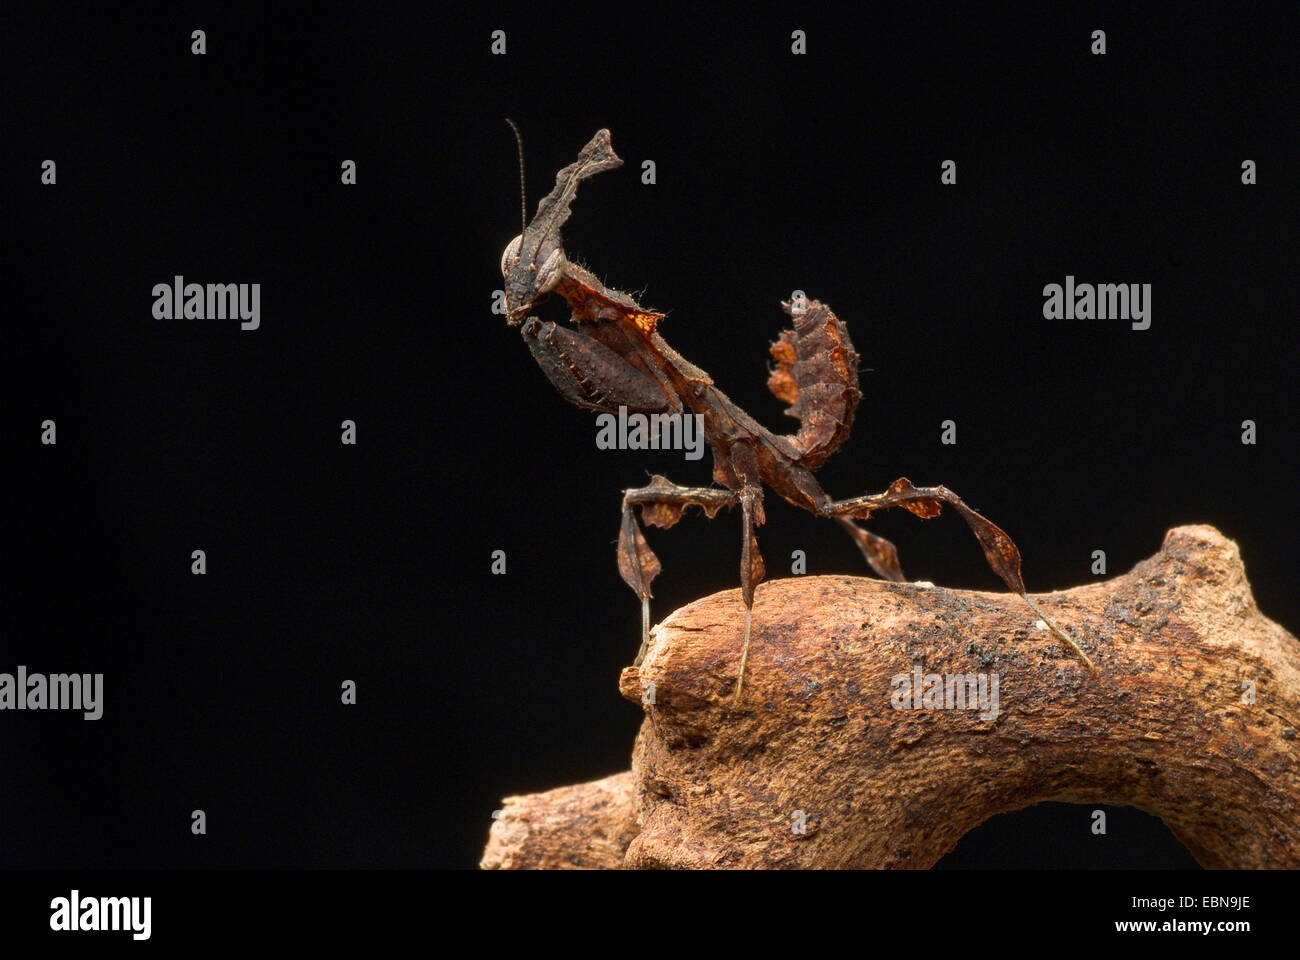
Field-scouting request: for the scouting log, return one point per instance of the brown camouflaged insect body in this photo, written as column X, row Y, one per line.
column 613, row 357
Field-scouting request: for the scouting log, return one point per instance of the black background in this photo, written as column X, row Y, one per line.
column 329, row 562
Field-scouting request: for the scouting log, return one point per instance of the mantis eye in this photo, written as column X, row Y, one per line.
column 511, row 254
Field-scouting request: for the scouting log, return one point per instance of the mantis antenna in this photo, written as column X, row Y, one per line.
column 523, row 201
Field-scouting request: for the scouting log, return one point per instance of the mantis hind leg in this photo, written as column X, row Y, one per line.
column 880, row 553
column 999, row 550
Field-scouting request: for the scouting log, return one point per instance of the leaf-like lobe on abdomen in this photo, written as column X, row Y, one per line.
column 816, row 373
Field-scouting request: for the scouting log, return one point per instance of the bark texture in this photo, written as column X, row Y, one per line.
column 587, row 826
column 1192, row 717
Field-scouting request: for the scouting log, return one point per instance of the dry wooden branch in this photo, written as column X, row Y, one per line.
column 1192, row 717
column 585, row 826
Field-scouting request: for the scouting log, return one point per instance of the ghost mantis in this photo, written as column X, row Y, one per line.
column 612, row 356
